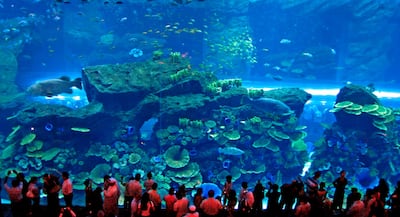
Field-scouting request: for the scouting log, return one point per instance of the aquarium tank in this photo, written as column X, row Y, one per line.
column 195, row 90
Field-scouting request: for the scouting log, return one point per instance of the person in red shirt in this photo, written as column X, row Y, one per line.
column 170, row 199
column 192, row 212
column 211, row 206
column 67, row 189
column 15, row 195
column 155, row 198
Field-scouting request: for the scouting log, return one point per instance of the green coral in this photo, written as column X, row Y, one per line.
column 277, row 135
column 370, row 108
column 210, row 124
column 353, row 112
column 13, row 133
column 343, row 104
column 175, row 57
column 266, row 124
column 223, row 85
column 196, row 123
column 262, row 142
column 172, row 129
column 354, row 107
column 34, row 146
column 28, row 139
column 194, row 132
column 157, row 54
column 180, row 75
column 255, row 120
column 232, row 135
column 281, row 135
column 299, row 145
column 256, row 93
column 162, row 134
column 380, row 125
column 336, row 109
column 183, row 122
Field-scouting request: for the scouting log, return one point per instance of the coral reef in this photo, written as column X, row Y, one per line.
column 198, row 118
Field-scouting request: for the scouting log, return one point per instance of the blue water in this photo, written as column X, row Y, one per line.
column 318, row 46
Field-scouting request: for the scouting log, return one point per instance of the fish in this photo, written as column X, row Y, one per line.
column 146, row 130
column 277, row 78
column 53, row 87
column 285, row 41
column 270, row 105
column 80, row 129
column 230, row 151
column 307, row 54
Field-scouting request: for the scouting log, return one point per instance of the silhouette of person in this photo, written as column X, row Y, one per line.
column 340, row 187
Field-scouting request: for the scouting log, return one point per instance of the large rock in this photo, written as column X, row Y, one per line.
column 124, row 86
column 359, row 95
column 60, row 122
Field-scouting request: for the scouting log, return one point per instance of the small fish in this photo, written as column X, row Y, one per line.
column 230, row 151
column 80, row 129
column 306, row 54
column 285, row 41
column 123, row 19
column 277, row 68
column 53, row 87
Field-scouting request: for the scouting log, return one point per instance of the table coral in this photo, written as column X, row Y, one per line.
column 176, row 157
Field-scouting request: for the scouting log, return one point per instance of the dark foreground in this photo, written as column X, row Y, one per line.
column 80, row 212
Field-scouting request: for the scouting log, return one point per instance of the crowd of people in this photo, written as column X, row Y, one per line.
column 300, row 198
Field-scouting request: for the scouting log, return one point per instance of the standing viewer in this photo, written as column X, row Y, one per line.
column 273, row 195
column 149, row 182
column 170, row 200
column 211, row 207
column 21, row 178
column 246, row 200
column 111, row 195
column 340, row 185
column 135, row 187
column 51, row 187
column 198, row 198
column 181, row 206
column 134, row 207
column 192, row 212
column 1, row 205
column 145, row 206
column 67, row 189
column 155, row 198
column 232, row 201
column 312, row 184
column 33, row 195
column 88, row 196
column 258, row 197
column 15, row 195
column 357, row 209
column 227, row 189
